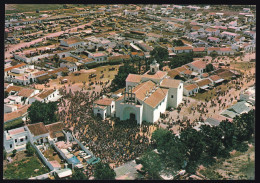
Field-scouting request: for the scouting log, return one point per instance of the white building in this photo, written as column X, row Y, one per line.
column 104, row 107
column 72, row 42
column 98, row 57
column 197, row 66
column 45, row 96
column 190, row 89
column 16, row 139
column 148, row 96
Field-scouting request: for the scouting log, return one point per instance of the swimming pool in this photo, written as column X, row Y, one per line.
column 74, row 160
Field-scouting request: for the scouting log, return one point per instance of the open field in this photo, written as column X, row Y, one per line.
column 84, row 77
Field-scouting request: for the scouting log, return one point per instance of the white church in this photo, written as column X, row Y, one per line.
column 145, row 97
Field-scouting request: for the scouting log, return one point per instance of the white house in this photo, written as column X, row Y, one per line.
column 229, row 35
column 98, row 57
column 45, row 96
column 198, row 66
column 190, row 89
column 72, row 42
column 183, row 49
column 104, row 107
column 38, row 133
column 16, row 139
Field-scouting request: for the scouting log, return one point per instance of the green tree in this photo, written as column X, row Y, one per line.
column 209, row 67
column 160, row 137
column 151, row 164
column 102, row 171
column 160, row 54
column 14, row 152
column 29, row 149
column 244, row 125
column 194, row 146
column 43, row 112
column 177, row 43
column 171, row 150
column 78, row 175
column 213, row 54
column 212, row 138
column 228, row 134
column 123, row 72
column 181, row 59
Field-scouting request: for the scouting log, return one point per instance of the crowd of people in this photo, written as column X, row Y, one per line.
column 113, row 141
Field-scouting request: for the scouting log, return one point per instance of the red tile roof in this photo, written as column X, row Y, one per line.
column 170, row 83
column 225, row 49
column 205, row 75
column 37, row 129
column 134, row 78
column 54, row 127
column 45, row 93
column 188, row 72
column 173, row 73
column 140, row 90
column 215, row 77
column 16, row 66
column 14, row 88
column 199, row 49
column 155, row 98
column 104, row 101
column 183, row 48
column 190, row 87
column 16, row 114
column 25, row 92
column 213, row 49
column 203, row 82
column 199, row 64
column 157, row 75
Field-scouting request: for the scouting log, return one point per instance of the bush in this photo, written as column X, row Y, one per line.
column 29, row 149
column 14, row 152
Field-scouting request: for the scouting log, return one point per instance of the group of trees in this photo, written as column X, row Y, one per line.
column 192, row 148
column 177, row 43
column 160, row 54
column 43, row 112
column 180, row 60
column 119, row 80
column 103, row 171
column 209, row 68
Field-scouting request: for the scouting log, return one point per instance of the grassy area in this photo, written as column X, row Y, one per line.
column 24, row 168
column 243, row 66
column 14, row 124
column 237, row 167
column 210, row 94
